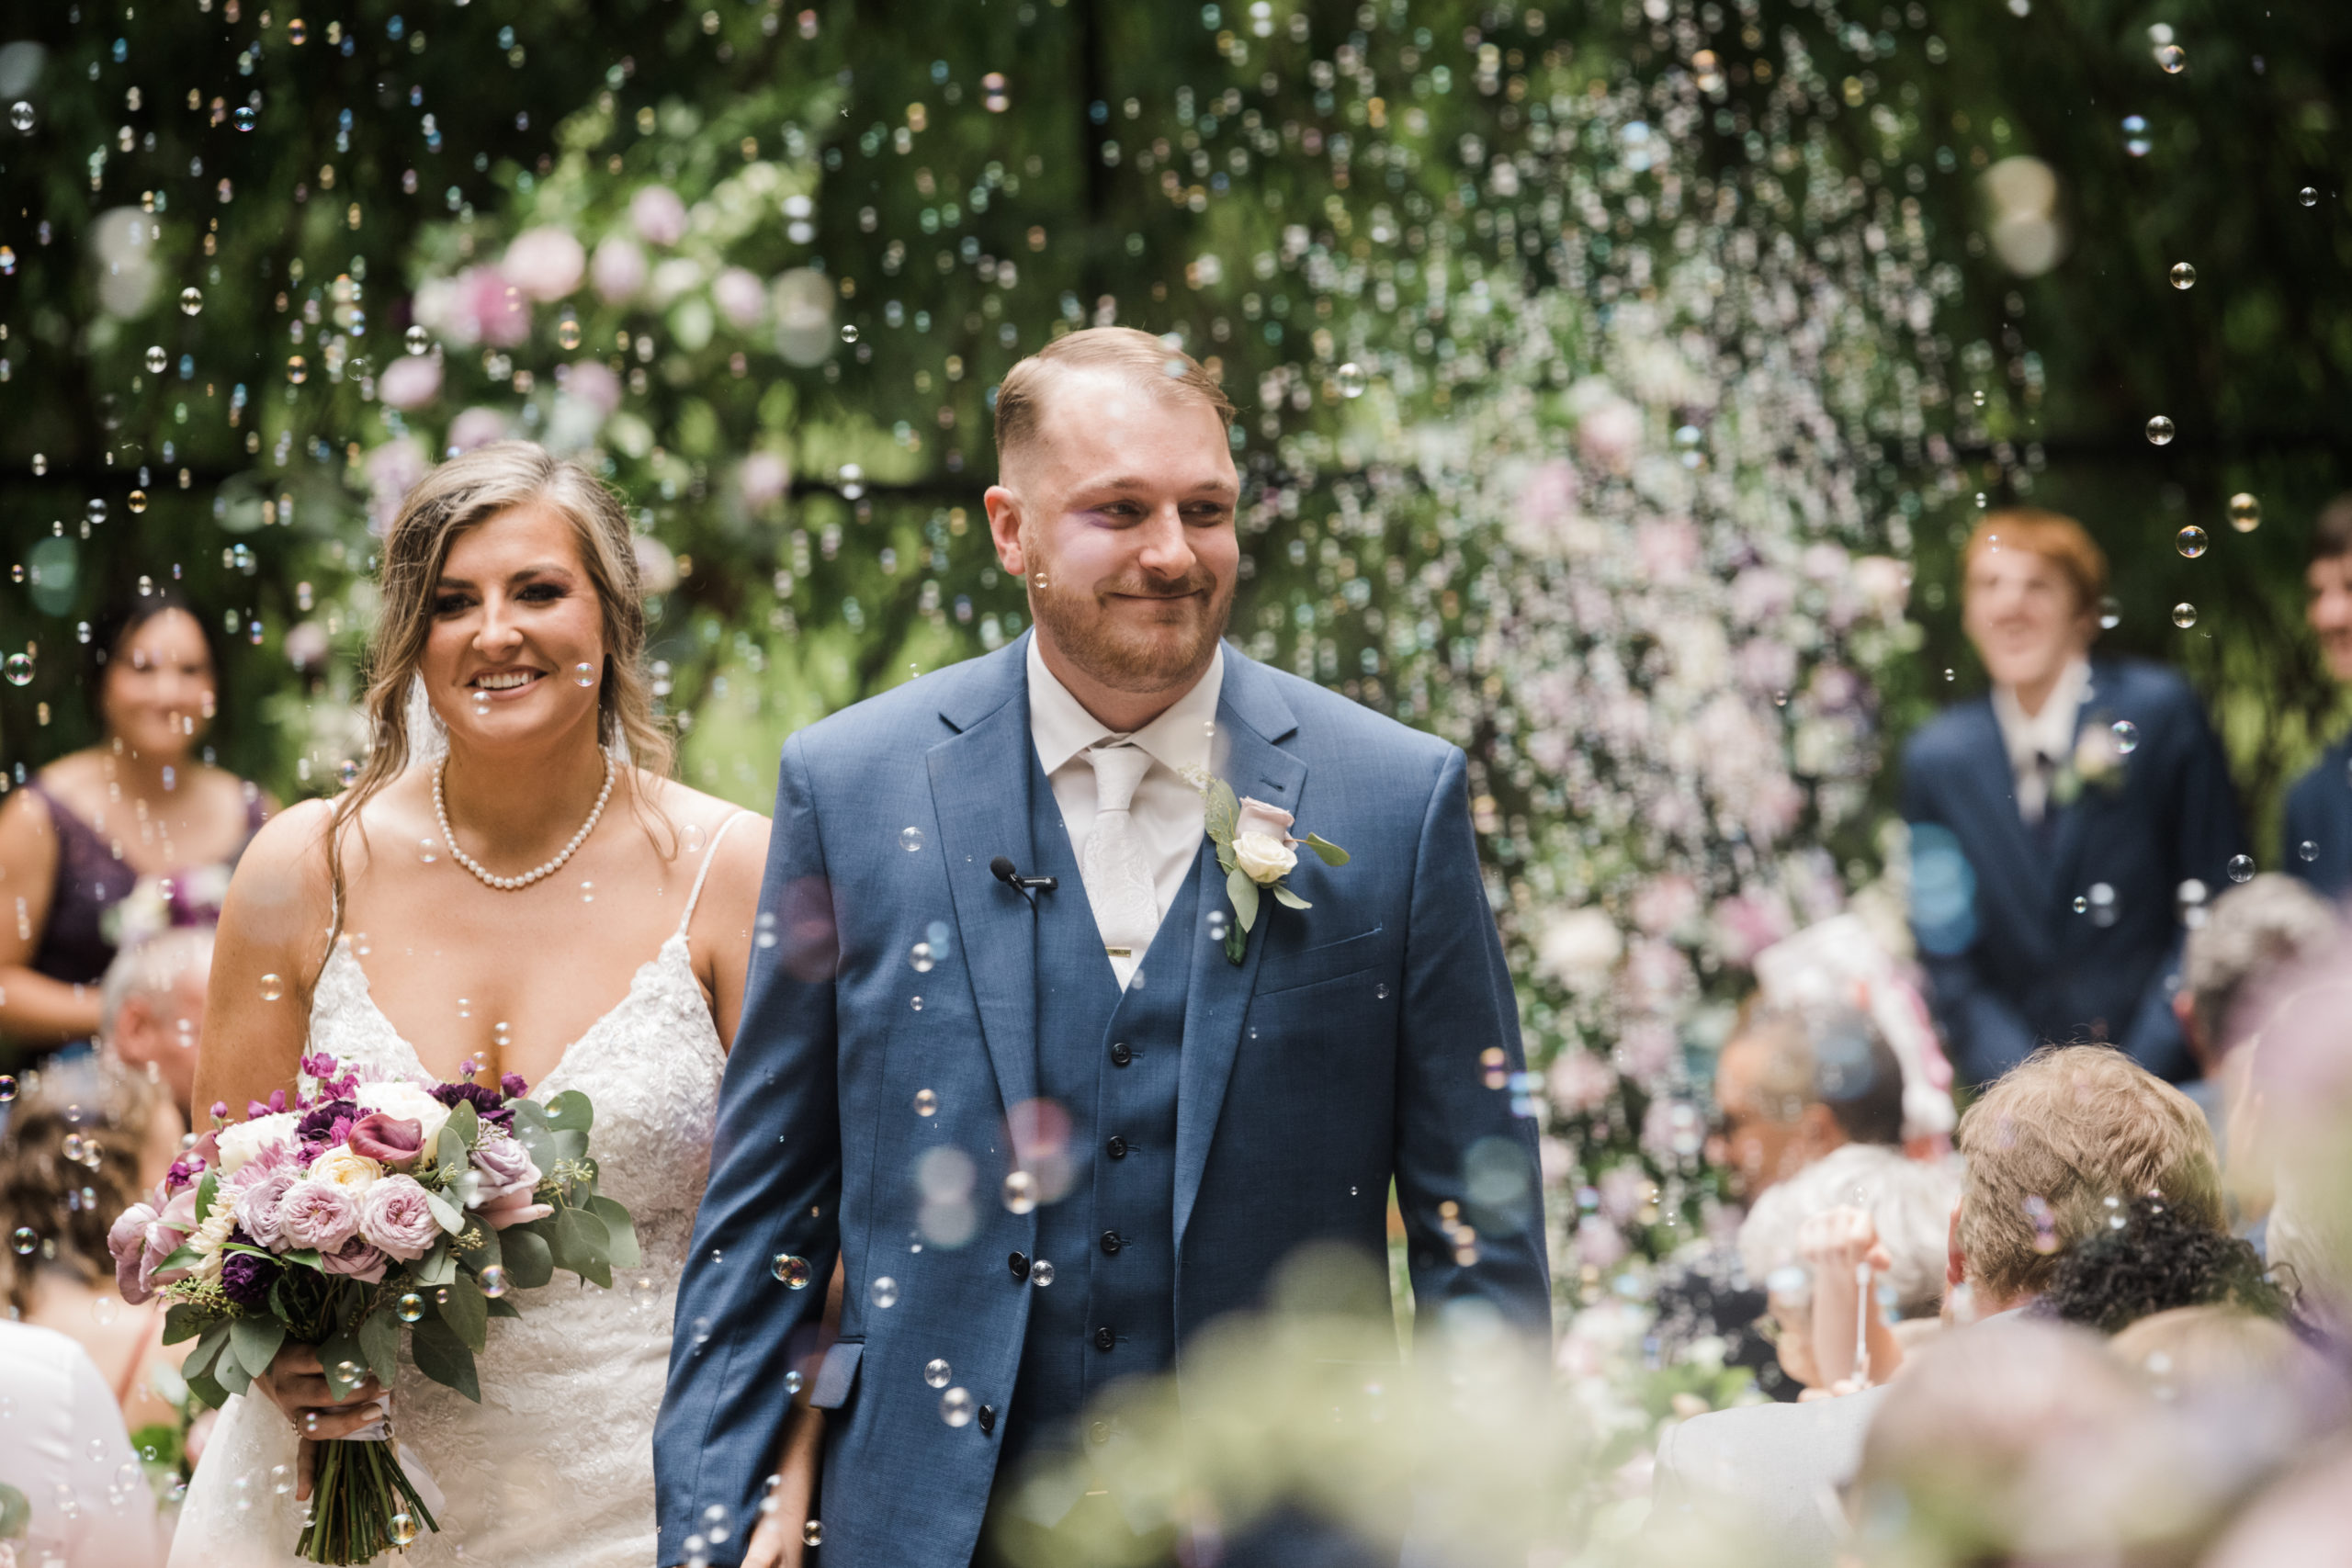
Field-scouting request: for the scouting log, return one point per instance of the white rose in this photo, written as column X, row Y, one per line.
column 1580, row 946
column 1263, row 858
column 404, row 1101
column 341, row 1168
column 207, row 1240
column 243, row 1140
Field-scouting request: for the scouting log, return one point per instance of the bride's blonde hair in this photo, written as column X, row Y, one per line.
column 460, row 494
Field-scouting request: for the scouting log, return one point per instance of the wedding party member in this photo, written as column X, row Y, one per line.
column 141, row 808
column 2318, row 829
column 64, row 1442
column 151, row 1011
column 2056, row 820
column 513, row 885
column 1057, row 1088
column 2043, row 1150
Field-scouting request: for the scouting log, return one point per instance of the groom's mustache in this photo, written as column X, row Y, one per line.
column 1157, row 587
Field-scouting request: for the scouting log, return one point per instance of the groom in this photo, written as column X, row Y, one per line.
column 1051, row 1129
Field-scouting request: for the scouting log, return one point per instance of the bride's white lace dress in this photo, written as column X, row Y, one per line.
column 554, row 1468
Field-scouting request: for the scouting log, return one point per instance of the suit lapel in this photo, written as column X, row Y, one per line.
column 979, row 790
column 2074, row 818
column 1251, row 717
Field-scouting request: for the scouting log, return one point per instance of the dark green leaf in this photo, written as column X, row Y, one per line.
column 257, row 1339
column 621, row 1250
column 186, row 1320
column 15, row 1512
column 584, row 1246
column 379, row 1340
column 181, row 1258
column 206, row 1189
column 341, row 1351
column 501, row 1307
column 228, row 1371
column 207, row 1392
column 438, row 1266
column 442, row 1357
column 464, row 1310
column 208, row 1346
column 530, row 1261
column 450, row 1218
column 308, row 1257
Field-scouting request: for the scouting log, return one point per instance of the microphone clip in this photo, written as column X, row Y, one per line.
column 1004, row 869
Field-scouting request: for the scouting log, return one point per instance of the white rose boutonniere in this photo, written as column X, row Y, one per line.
column 1253, row 844
column 2098, row 761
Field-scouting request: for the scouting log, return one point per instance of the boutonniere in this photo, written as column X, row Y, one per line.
column 2097, row 763
column 1254, row 845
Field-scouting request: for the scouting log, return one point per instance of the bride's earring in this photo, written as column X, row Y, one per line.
column 429, row 738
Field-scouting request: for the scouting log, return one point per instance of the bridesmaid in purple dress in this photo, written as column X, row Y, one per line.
column 139, row 812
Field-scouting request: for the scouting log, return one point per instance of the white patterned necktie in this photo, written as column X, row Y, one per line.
column 1115, row 868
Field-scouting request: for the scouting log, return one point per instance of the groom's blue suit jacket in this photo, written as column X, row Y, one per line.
column 1349, row 1047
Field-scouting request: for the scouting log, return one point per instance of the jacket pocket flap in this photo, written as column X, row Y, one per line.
column 837, row 1375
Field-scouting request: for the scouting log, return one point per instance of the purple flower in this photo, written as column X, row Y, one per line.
column 355, row 1258
column 395, row 1217
column 505, row 1165
column 488, row 1103
column 329, row 1123
column 246, row 1279
column 512, row 1086
column 388, row 1140
column 259, row 1203
column 318, row 1215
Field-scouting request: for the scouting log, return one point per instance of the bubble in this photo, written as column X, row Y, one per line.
column 418, row 340
column 428, row 851
column 409, row 1308
column 20, row 115
column 926, row 1102
column 1353, row 380
column 2308, row 197
column 2191, row 541
column 2241, row 868
column 8, row 1087
column 938, row 1374
column 2246, row 513
column 1020, row 1191
column 296, row 33
column 2160, row 432
column 884, row 1292
column 272, row 987
column 2183, row 276
column 1218, row 922
column 138, row 501
column 2127, row 736
column 403, row 1528
column 191, row 300
column 955, row 1407
column 157, row 358
column 920, row 957
column 1380, row 992
column 911, row 839
column 297, row 370
column 348, row 1372
column 792, row 1381
column 23, row 1240
column 915, row 1002
column 494, row 1281
column 849, row 334
column 19, row 669
column 583, row 674
column 692, row 838
column 567, row 333
column 716, row 1526
column 793, row 1271
column 813, row 1532
column 1041, row 1273
column 2307, row 851
column 2172, row 58
column 2081, row 903
column 2184, row 615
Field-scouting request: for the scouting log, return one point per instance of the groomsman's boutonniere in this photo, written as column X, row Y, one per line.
column 2097, row 763
column 1254, row 845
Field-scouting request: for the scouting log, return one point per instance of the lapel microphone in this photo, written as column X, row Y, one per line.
column 1002, row 869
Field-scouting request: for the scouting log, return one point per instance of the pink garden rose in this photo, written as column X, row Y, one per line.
column 357, row 1259
column 409, row 382
column 390, row 1140
column 395, row 1217
column 592, row 382
column 763, row 479
column 545, row 263
column 258, row 1202
column 659, row 215
column 476, row 427
column 127, row 1239
column 318, row 1215
column 618, row 268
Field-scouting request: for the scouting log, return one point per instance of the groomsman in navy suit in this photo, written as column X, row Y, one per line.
column 2319, row 808
column 2060, row 823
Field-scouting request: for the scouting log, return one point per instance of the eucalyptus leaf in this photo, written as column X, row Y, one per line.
column 208, row 1346
column 582, row 1245
column 451, row 1218
column 343, row 1349
column 465, row 1310
column 1288, row 899
column 1222, row 812
column 182, row 1256
column 257, row 1339
column 1331, row 854
column 464, row 1121
column 501, row 1307
column 186, row 1320
column 449, row 1153
column 484, row 1253
column 442, row 1357
column 307, row 1257
column 621, row 1249
column 569, row 1111
column 379, row 1341
column 438, row 1266
column 228, row 1371
column 1244, row 894
column 206, row 1391
column 530, row 1261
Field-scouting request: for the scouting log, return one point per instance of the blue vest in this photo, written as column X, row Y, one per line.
column 1109, row 1059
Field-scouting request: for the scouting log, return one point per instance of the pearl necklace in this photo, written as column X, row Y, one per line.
column 510, row 884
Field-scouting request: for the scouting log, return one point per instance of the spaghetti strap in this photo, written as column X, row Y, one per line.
column 694, row 897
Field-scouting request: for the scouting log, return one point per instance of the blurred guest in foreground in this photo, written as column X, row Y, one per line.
column 139, row 828
column 2156, row 1257
column 2055, row 821
column 2251, row 935
column 63, row 1444
column 2044, row 1147
column 151, row 1010
column 86, row 1142
column 2318, row 829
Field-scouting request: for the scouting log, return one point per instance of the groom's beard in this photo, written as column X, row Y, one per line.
column 1111, row 646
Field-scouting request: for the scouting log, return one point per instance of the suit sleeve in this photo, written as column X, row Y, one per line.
column 1463, row 1158
column 776, row 1178
column 2204, row 826
column 1983, row 1034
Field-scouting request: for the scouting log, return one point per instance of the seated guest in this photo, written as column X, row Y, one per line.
column 1795, row 1085
column 2154, row 1258
column 2252, row 933
column 151, row 1010
column 2054, row 820
column 2043, row 1147
column 63, row 1441
column 2318, row 829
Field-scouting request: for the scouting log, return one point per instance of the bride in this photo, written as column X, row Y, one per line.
column 513, row 880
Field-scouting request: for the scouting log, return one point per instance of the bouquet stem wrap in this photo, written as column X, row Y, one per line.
column 363, row 1502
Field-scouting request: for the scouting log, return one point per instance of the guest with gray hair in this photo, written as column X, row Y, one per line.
column 151, row 1008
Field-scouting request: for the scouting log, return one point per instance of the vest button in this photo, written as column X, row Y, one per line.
column 988, row 1419
column 1120, row 1055
column 1116, row 1148
column 1019, row 1264
column 1110, row 1242
column 1100, row 1432
column 1104, row 1338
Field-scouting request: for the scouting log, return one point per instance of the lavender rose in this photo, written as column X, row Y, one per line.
column 355, row 1258
column 127, row 1239
column 395, row 1218
column 318, row 1215
column 505, row 1165
column 257, row 1206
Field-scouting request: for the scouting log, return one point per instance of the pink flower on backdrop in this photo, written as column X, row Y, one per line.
column 1886, row 583
column 1580, row 1082
column 1773, row 809
column 1835, row 687
column 355, row 1259
column 592, row 382
column 391, row 1140
column 1761, row 594
column 409, row 382
column 395, row 1217
column 1664, row 902
column 483, row 307
column 393, row 470
column 1623, row 1189
column 476, row 427
column 1765, row 664
column 318, row 1215
column 659, row 215
column 127, row 1240
column 1645, row 1050
column 1599, row 1242
column 1610, row 433
column 1547, row 501
column 545, row 263
column 762, row 479
column 618, row 268
column 1748, row 923
column 1667, row 547
column 1658, row 976
column 742, row 298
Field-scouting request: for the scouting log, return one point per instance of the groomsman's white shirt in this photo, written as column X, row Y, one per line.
column 1168, row 812
column 2050, row 733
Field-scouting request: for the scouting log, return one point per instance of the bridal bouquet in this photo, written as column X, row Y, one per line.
column 358, row 1213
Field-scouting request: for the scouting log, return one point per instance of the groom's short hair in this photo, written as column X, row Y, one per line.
column 1148, row 361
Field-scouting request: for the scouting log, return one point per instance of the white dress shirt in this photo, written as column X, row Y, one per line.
column 1170, row 816
column 63, row 1446
column 2050, row 733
